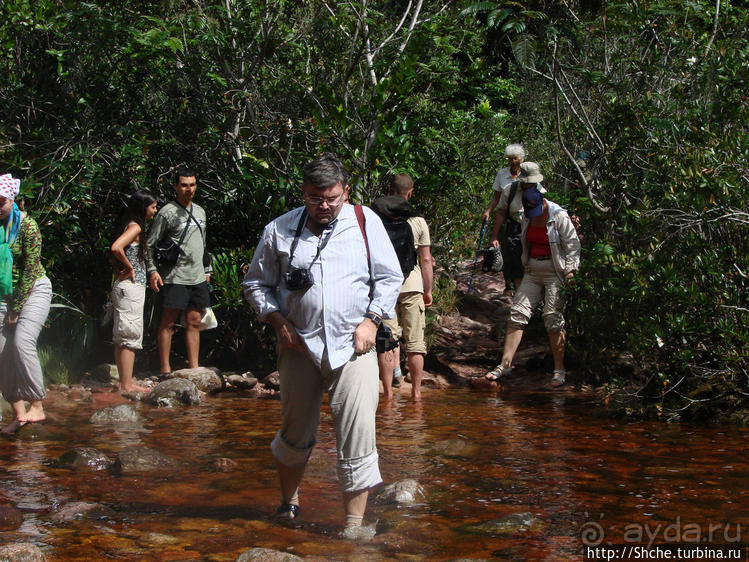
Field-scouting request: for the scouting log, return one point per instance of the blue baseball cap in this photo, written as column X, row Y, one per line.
column 533, row 202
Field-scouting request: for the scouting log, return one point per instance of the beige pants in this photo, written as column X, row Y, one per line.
column 410, row 321
column 539, row 282
column 128, row 299
column 353, row 390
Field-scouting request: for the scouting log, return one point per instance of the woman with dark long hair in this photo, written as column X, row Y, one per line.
column 130, row 251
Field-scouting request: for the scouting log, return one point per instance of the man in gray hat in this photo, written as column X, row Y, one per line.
column 510, row 211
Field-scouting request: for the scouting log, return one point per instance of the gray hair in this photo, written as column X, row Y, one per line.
column 324, row 171
column 515, row 150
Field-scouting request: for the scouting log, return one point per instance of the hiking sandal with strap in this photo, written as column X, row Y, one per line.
column 498, row 372
column 559, row 377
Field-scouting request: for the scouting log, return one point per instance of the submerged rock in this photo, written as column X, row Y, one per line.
column 21, row 552
column 142, row 459
column 34, row 432
column 79, row 510
column 512, row 524
column 204, row 378
column 84, row 458
column 173, row 393
column 156, row 539
column 404, row 492
column 117, row 415
column 456, row 448
column 10, row 518
column 267, row 555
column 223, row 464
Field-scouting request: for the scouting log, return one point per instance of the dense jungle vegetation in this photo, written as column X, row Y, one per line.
column 635, row 110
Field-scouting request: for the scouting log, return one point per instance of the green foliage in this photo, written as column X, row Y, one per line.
column 102, row 98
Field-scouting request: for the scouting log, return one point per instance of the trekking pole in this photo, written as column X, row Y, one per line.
column 478, row 251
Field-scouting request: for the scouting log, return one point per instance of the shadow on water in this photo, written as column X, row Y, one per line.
column 525, row 475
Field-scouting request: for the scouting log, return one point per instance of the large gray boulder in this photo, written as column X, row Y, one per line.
column 173, row 393
column 124, row 414
column 267, row 555
column 21, row 552
column 204, row 378
column 403, row 492
column 142, row 459
column 85, row 458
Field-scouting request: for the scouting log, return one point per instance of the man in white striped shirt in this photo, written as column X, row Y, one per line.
column 312, row 280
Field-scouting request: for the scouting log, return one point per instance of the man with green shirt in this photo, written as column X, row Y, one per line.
column 184, row 284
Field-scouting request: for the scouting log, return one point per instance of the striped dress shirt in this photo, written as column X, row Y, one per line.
column 327, row 314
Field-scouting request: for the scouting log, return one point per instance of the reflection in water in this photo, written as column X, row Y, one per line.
column 482, row 458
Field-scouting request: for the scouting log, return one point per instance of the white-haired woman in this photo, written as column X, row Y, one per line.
column 505, row 176
column 23, row 309
column 551, row 256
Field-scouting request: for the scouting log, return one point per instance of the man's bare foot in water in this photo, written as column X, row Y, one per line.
column 134, row 388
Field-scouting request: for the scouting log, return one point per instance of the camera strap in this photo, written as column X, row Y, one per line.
column 298, row 233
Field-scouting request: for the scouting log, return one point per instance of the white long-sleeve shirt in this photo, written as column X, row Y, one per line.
column 327, row 314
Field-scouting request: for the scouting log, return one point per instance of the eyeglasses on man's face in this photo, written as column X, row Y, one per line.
column 332, row 201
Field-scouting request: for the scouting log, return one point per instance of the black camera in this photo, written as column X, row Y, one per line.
column 384, row 341
column 299, row 279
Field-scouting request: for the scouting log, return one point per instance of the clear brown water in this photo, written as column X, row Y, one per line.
column 479, row 456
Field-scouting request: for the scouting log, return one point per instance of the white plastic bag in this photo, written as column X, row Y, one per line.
column 208, row 321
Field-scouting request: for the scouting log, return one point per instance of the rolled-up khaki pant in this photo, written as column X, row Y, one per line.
column 354, row 392
column 539, row 282
column 21, row 375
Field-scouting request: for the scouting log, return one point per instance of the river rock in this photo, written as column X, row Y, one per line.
column 34, row 432
column 10, row 518
column 456, row 448
column 404, row 492
column 267, row 555
column 85, row 458
column 5, row 408
column 79, row 510
column 482, row 383
column 21, row 552
column 174, row 392
column 510, row 525
column 156, row 539
column 106, row 372
column 272, row 381
column 241, row 381
column 142, row 459
column 117, row 415
column 223, row 464
column 206, row 379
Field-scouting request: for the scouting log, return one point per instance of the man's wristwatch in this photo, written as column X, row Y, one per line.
column 374, row 318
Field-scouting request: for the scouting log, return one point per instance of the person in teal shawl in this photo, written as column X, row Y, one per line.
column 25, row 299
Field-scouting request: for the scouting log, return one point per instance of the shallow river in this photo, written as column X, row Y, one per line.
column 579, row 478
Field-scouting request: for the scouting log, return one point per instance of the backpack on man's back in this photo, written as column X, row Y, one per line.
column 402, row 239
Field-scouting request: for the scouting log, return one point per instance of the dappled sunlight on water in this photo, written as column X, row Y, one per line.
column 480, row 458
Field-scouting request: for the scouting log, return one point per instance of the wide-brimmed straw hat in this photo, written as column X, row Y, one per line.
column 529, row 173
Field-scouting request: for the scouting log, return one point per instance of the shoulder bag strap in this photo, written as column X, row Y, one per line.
column 362, row 221
column 187, row 224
